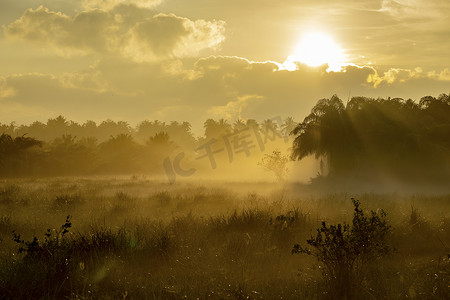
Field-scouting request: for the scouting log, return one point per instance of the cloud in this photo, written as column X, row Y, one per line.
column 50, row 95
column 416, row 9
column 109, row 4
column 395, row 75
column 167, row 35
column 110, row 33
column 5, row 90
column 221, row 87
column 444, row 75
column 233, row 109
column 91, row 81
column 398, row 33
column 84, row 33
column 23, row 114
column 235, row 76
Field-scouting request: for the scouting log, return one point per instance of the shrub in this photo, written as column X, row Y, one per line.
column 53, row 241
column 345, row 250
column 44, row 269
column 66, row 201
column 276, row 163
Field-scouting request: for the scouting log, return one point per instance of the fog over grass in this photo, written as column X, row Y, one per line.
column 359, row 191
column 222, row 240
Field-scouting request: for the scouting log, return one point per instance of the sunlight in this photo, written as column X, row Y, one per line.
column 316, row 49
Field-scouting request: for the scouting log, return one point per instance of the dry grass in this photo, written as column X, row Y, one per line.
column 144, row 239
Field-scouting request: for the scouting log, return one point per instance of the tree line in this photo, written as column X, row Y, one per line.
column 364, row 139
column 62, row 147
column 378, row 139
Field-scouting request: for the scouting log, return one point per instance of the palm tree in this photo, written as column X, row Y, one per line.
column 288, row 126
column 375, row 137
column 239, row 125
column 326, row 132
column 252, row 123
column 215, row 129
column 269, row 125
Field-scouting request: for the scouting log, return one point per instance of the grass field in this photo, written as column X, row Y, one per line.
column 135, row 238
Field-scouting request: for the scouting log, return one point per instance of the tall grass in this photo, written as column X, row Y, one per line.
column 145, row 240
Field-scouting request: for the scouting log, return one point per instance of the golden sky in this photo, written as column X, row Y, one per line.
column 191, row 60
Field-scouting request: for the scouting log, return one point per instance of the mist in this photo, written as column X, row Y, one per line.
column 155, row 149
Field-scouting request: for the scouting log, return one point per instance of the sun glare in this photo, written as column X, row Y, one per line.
column 316, row 49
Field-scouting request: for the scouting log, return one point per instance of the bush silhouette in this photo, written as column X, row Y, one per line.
column 345, row 250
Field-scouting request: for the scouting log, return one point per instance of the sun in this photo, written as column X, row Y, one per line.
column 316, row 49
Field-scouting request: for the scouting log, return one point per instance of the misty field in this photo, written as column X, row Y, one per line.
column 144, row 239
column 154, row 149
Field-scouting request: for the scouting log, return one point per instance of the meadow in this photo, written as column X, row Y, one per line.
column 140, row 238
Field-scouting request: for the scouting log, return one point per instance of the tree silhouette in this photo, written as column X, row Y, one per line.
column 269, row 125
column 366, row 139
column 327, row 132
column 375, row 137
column 239, row 125
column 14, row 157
column 215, row 129
column 120, row 154
column 70, row 156
column 252, row 123
column 288, row 126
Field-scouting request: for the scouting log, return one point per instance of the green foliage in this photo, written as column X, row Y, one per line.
column 344, row 250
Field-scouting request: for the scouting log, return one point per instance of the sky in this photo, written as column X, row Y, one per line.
column 191, row 60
